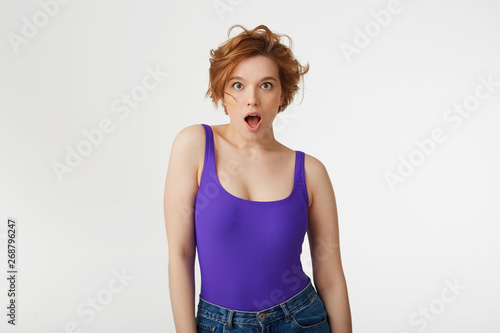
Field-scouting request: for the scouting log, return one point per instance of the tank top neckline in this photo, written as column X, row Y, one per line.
column 212, row 157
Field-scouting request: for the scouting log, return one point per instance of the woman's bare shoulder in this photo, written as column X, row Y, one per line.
column 190, row 135
column 312, row 163
column 316, row 175
column 189, row 144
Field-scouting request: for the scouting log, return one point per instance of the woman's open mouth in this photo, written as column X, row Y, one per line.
column 253, row 122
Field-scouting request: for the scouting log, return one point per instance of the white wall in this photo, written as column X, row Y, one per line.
column 361, row 115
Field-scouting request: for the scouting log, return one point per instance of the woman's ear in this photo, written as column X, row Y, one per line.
column 282, row 98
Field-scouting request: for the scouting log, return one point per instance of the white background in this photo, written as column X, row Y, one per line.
column 361, row 114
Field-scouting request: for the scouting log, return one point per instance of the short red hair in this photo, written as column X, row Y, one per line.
column 250, row 43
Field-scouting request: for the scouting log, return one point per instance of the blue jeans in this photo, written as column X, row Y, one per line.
column 304, row 312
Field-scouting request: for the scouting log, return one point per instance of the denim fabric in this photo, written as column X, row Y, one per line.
column 304, row 312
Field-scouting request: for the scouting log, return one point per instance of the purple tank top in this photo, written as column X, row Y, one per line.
column 249, row 251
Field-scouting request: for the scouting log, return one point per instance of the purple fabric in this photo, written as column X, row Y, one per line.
column 249, row 251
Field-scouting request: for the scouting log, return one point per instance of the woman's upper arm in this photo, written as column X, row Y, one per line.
column 323, row 229
column 181, row 187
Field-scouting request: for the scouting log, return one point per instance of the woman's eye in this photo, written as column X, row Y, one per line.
column 237, row 85
column 267, row 85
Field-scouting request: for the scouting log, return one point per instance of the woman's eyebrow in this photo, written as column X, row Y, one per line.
column 263, row 79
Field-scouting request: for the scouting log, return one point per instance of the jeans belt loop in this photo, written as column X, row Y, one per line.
column 285, row 310
column 230, row 319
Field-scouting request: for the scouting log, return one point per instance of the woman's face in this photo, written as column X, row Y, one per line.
column 255, row 88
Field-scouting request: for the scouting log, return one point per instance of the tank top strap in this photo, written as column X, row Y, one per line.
column 209, row 162
column 300, row 174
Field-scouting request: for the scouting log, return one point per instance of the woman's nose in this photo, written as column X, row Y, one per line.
column 252, row 97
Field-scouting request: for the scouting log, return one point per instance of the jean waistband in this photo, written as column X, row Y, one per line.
column 267, row 315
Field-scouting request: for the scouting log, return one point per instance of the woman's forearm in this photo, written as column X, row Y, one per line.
column 182, row 287
column 337, row 306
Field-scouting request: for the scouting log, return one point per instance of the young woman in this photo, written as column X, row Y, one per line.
column 246, row 201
